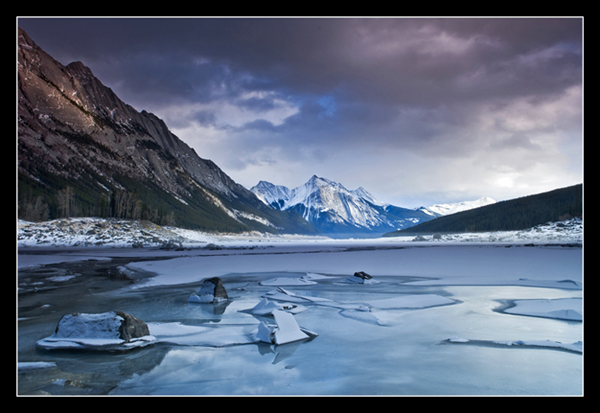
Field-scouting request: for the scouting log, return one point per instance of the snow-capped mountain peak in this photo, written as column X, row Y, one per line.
column 272, row 195
column 330, row 206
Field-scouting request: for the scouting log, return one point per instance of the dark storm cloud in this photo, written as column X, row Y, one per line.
column 396, row 61
column 302, row 89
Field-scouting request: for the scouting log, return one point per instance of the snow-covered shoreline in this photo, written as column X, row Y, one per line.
column 118, row 233
column 100, row 232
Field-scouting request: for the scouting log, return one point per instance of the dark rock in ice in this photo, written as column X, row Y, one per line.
column 360, row 277
column 363, row 275
column 212, row 290
column 132, row 327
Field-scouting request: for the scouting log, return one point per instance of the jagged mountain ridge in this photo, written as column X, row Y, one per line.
column 83, row 151
column 335, row 210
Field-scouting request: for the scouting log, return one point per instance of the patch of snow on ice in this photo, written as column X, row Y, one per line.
column 560, row 308
column 224, row 335
column 295, row 281
column 412, row 301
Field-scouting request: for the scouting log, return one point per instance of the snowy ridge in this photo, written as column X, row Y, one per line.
column 447, row 209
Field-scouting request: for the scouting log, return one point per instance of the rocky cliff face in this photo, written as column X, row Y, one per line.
column 75, row 133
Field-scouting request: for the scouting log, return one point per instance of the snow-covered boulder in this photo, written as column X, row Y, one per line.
column 212, row 291
column 113, row 330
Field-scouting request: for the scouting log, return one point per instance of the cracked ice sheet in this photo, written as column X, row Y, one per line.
column 444, row 265
column 373, row 311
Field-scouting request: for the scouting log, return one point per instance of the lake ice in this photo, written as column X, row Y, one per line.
column 442, row 319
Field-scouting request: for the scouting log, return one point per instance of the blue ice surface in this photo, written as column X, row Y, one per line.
column 354, row 354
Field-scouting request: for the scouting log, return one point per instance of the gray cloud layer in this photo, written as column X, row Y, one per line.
column 414, row 110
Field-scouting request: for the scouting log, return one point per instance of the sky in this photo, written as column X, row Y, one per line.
column 417, row 111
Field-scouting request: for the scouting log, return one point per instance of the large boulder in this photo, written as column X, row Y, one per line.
column 109, row 331
column 212, row 291
column 363, row 275
column 131, row 327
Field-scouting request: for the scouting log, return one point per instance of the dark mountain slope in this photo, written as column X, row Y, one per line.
column 514, row 214
column 84, row 152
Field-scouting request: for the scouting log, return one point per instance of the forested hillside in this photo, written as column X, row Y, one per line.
column 514, row 214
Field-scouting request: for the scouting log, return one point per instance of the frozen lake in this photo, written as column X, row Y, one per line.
column 445, row 319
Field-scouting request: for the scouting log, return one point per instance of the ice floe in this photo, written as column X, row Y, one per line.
column 576, row 347
column 35, row 365
column 265, row 307
column 379, row 312
column 307, row 279
column 559, row 308
column 288, row 281
column 285, row 330
column 413, row 301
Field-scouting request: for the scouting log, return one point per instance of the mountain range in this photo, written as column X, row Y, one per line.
column 513, row 214
column 337, row 211
column 84, row 152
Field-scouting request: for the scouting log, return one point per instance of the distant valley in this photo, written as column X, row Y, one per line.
column 82, row 152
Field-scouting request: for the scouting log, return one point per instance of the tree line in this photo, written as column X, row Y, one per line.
column 514, row 214
column 69, row 203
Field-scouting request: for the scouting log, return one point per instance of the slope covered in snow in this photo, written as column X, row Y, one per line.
column 452, row 208
column 92, row 232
